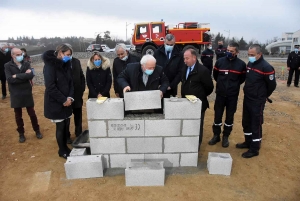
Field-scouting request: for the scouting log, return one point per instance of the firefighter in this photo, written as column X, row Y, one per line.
column 220, row 51
column 293, row 65
column 207, row 57
column 170, row 58
column 259, row 85
column 229, row 73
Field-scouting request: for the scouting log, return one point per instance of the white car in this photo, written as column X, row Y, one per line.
column 105, row 47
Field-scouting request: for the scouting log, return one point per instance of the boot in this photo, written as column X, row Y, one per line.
column 214, row 140
column 225, row 141
column 22, row 138
column 38, row 135
column 243, row 145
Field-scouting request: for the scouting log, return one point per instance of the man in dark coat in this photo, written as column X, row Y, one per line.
column 207, row 58
column 19, row 75
column 170, row 58
column 79, row 88
column 5, row 56
column 221, row 50
column 293, row 65
column 143, row 76
column 120, row 62
column 196, row 81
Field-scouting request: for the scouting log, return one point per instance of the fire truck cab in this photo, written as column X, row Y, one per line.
column 148, row 36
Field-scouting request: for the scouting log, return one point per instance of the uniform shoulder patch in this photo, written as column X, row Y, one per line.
column 271, row 77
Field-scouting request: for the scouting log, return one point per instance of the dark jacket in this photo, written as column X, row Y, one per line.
column 118, row 67
column 132, row 76
column 20, row 88
column 58, row 86
column 98, row 79
column 220, row 52
column 229, row 75
column 4, row 58
column 293, row 60
column 260, row 80
column 207, row 58
column 198, row 83
column 78, row 82
column 172, row 67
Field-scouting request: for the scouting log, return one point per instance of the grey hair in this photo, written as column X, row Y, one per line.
column 169, row 37
column 120, row 45
column 64, row 48
column 257, row 48
column 146, row 58
column 13, row 50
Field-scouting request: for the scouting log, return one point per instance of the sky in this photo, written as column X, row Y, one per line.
column 252, row 19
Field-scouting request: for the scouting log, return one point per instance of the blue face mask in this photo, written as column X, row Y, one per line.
column 149, row 72
column 98, row 63
column 229, row 55
column 296, row 50
column 252, row 59
column 124, row 58
column 66, row 59
column 168, row 48
column 6, row 50
column 210, row 47
column 19, row 58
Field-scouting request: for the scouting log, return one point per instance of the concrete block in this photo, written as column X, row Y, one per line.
column 105, row 161
column 162, row 127
column 120, row 160
column 112, row 108
column 189, row 159
column 145, row 174
column 142, row 100
column 191, row 127
column 78, row 167
column 181, row 144
column 97, row 129
column 219, row 163
column 144, row 145
column 78, row 152
column 107, row 145
column 182, row 109
column 128, row 128
column 170, row 160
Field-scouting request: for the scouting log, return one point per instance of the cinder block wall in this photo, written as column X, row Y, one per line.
column 172, row 137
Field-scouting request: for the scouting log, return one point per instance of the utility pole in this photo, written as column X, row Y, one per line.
column 126, row 29
column 228, row 31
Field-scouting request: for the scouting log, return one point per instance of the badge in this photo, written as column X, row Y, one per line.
column 247, row 71
column 271, row 77
column 226, row 72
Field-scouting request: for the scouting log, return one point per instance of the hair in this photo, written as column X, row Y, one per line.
column 169, row 37
column 146, row 58
column 24, row 50
column 193, row 51
column 120, row 45
column 257, row 48
column 64, row 48
column 234, row 44
column 97, row 53
column 13, row 50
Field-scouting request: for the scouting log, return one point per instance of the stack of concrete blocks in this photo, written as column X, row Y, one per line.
column 219, row 163
column 172, row 138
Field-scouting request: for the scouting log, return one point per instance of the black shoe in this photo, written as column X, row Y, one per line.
column 288, row 85
column 63, row 155
column 3, row 97
column 243, row 145
column 250, row 153
column 214, row 140
column 38, row 135
column 69, row 141
column 296, row 86
column 22, row 138
column 225, row 141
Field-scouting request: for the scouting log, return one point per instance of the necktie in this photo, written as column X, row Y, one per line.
column 188, row 72
column 168, row 54
column 145, row 79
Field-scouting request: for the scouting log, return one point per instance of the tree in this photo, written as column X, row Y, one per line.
column 98, row 39
column 106, row 35
column 243, row 44
column 218, row 38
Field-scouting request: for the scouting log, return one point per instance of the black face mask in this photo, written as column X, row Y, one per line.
column 220, row 46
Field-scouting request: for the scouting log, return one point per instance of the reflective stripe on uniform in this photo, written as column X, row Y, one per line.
column 247, row 133
column 217, row 124
column 228, row 125
column 256, row 140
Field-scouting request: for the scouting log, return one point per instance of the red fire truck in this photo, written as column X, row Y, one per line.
column 148, row 36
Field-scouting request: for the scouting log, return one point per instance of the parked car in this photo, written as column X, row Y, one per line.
column 104, row 47
column 94, row 47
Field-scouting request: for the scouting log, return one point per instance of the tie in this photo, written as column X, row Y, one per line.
column 168, row 54
column 145, row 79
column 188, row 72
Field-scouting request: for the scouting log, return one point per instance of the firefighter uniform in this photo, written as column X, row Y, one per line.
column 293, row 62
column 220, row 51
column 229, row 75
column 207, row 57
column 259, row 85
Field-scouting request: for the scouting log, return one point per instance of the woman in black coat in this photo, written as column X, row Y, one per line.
column 98, row 76
column 59, row 93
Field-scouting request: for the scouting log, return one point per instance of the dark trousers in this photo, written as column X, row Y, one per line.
column 291, row 72
column 62, row 129
column 77, row 121
column 252, row 123
column 20, row 122
column 221, row 102
column 3, row 85
column 201, row 127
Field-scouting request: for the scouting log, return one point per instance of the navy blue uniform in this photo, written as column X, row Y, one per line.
column 293, row 62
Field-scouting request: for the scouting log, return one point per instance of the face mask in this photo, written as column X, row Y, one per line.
column 168, row 48
column 19, row 58
column 220, row 46
column 252, row 59
column 296, row 50
column 149, row 72
column 210, row 47
column 229, row 55
column 6, row 50
column 65, row 59
column 124, row 58
column 98, row 63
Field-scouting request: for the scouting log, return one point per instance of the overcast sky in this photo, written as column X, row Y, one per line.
column 252, row 19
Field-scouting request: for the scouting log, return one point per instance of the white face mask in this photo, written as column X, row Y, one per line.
column 210, row 47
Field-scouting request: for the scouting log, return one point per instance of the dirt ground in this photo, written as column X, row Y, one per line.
column 33, row 170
